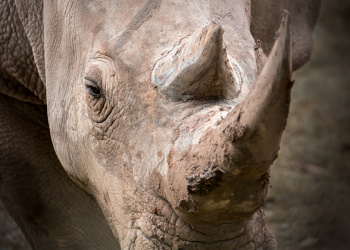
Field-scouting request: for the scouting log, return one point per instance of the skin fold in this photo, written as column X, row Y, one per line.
column 145, row 124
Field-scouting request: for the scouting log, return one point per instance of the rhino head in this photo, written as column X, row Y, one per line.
column 169, row 114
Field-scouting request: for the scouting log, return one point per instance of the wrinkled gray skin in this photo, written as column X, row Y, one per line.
column 145, row 124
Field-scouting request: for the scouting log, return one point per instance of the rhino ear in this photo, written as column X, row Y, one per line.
column 264, row 24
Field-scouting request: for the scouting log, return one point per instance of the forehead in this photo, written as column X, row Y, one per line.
column 162, row 19
column 142, row 31
column 134, row 13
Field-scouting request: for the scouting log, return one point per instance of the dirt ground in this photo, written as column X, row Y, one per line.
column 309, row 202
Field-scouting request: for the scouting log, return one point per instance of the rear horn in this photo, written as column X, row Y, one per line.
column 197, row 68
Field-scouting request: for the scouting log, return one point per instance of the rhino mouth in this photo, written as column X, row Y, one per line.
column 167, row 231
column 221, row 156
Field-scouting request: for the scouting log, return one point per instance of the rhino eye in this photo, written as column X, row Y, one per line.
column 92, row 88
column 93, row 81
column 97, row 78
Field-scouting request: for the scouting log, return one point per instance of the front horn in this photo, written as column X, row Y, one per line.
column 218, row 167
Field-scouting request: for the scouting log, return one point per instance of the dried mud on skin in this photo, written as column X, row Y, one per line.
column 309, row 202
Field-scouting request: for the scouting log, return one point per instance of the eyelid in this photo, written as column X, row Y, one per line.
column 92, row 81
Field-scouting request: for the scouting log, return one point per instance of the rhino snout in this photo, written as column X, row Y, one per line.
column 220, row 161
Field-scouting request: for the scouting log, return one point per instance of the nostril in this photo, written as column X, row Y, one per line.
column 197, row 68
column 202, row 184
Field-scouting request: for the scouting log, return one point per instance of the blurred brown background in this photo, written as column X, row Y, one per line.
column 309, row 202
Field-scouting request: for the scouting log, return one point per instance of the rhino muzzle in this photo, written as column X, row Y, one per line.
column 219, row 165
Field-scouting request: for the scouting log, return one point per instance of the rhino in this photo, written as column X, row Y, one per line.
column 145, row 124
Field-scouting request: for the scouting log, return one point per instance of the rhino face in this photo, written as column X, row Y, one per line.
column 159, row 111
